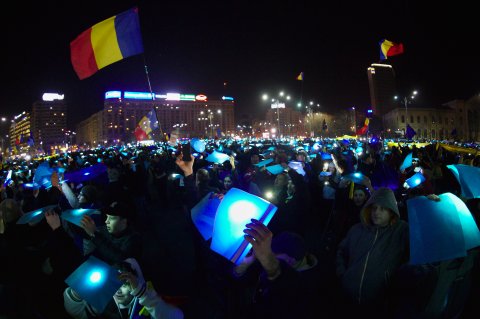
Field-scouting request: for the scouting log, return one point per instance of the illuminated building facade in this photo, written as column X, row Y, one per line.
column 192, row 115
column 20, row 131
column 49, row 121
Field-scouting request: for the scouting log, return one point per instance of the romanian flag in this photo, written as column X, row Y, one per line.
column 388, row 48
column 300, row 76
column 364, row 129
column 106, row 42
column 147, row 124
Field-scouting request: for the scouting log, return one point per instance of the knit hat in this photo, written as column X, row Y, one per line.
column 383, row 197
column 289, row 243
column 90, row 193
column 118, row 209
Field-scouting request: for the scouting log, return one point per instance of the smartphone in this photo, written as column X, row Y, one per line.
column 186, row 152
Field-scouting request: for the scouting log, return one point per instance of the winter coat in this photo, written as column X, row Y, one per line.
column 369, row 254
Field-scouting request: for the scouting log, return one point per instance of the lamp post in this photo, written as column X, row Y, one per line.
column 406, row 100
column 276, row 104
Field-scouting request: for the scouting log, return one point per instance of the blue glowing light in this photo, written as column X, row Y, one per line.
column 95, row 281
column 440, row 230
column 95, row 277
column 198, row 145
column 415, row 180
column 407, row 162
column 468, row 177
column 217, row 157
column 275, row 169
column 137, row 95
column 264, row 162
column 235, row 211
column 113, row 95
column 87, row 173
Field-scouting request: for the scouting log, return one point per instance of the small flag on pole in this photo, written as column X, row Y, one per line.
column 107, row 42
column 389, row 48
column 364, row 129
column 410, row 132
column 300, row 76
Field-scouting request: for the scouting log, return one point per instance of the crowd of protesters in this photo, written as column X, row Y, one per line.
column 336, row 247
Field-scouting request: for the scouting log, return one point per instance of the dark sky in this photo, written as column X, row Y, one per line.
column 194, row 47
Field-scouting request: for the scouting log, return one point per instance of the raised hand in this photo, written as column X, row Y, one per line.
column 88, row 225
column 186, row 167
column 260, row 237
column 53, row 220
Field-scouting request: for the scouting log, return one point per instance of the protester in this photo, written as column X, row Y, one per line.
column 134, row 299
column 371, row 253
column 283, row 275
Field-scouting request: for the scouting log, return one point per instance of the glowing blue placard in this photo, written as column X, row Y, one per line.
column 198, row 145
column 74, row 216
column 407, row 162
column 217, row 157
column 113, row 95
column 95, row 282
column 468, row 178
column 138, row 95
column 298, row 167
column 227, row 98
column 326, row 156
column 415, row 180
column 86, row 173
column 203, row 215
column 275, row 169
column 264, row 162
column 235, row 211
column 34, row 216
column 356, row 177
column 440, row 230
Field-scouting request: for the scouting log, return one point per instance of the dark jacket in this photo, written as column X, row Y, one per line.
column 113, row 249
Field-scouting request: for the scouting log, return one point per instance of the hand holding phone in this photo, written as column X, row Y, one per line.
column 186, row 152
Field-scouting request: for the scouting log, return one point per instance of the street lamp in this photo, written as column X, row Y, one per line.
column 406, row 100
column 276, row 104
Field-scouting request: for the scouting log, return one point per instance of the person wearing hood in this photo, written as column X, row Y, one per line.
column 371, row 253
column 134, row 299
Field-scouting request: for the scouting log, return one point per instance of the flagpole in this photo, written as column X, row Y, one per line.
column 153, row 96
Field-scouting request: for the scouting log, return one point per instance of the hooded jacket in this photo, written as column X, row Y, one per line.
column 145, row 303
column 370, row 254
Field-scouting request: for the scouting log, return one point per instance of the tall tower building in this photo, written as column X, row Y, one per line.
column 49, row 121
column 381, row 80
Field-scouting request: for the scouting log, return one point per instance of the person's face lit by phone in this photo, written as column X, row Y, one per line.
column 227, row 183
column 123, row 295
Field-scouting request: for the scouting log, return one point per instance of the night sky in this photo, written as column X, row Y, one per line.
column 194, row 47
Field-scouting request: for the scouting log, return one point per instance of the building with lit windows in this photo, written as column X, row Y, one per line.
column 20, row 131
column 381, row 82
column 189, row 114
column 453, row 120
column 49, row 121
column 290, row 121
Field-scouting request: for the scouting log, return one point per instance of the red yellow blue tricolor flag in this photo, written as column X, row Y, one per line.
column 389, row 48
column 107, row 42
